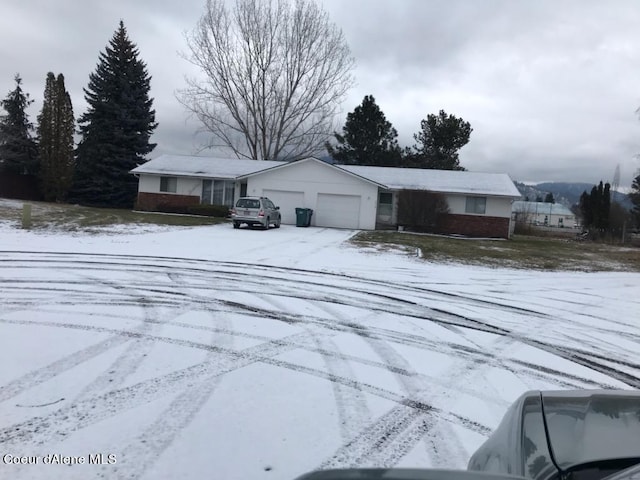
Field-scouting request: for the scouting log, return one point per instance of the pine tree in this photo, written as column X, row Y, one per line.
column 116, row 128
column 605, row 207
column 634, row 196
column 595, row 207
column 367, row 138
column 18, row 150
column 586, row 209
column 439, row 140
column 55, row 131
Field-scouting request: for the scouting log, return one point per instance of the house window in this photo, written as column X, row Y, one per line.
column 168, row 184
column 207, row 188
column 229, row 192
column 218, row 192
column 476, row 205
column 385, row 204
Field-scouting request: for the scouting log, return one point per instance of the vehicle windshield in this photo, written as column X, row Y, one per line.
column 591, row 429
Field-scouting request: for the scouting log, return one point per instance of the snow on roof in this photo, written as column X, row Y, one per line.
column 209, row 167
column 542, row 207
column 443, row 181
column 313, row 159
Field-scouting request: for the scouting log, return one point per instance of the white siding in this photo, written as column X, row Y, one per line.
column 185, row 185
column 149, row 184
column 314, row 178
column 287, row 201
column 495, row 206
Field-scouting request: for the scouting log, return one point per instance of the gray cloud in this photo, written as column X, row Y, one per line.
column 550, row 87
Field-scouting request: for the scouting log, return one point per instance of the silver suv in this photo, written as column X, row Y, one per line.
column 255, row 211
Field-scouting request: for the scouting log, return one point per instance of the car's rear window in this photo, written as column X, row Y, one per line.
column 248, row 203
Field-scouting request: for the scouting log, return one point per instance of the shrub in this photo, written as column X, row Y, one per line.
column 221, row 211
column 171, row 208
column 421, row 210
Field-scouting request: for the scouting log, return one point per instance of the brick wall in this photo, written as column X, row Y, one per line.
column 474, row 226
column 155, row 201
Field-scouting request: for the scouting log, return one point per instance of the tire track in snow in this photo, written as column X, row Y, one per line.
column 372, row 438
column 351, row 404
column 138, row 348
column 336, row 292
column 423, row 392
column 385, row 435
column 248, row 273
column 358, row 297
column 419, row 429
column 68, row 362
column 536, row 371
column 149, row 445
column 248, row 269
column 56, row 426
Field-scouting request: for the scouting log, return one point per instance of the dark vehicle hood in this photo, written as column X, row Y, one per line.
column 632, row 473
column 402, row 474
column 591, row 426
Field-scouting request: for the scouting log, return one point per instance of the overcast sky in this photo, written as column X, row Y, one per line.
column 550, row 87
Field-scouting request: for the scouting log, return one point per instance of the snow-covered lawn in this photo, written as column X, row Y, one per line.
column 210, row 352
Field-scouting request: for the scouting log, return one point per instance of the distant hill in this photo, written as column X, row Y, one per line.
column 533, row 193
column 567, row 193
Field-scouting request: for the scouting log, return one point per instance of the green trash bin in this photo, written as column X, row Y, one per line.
column 303, row 217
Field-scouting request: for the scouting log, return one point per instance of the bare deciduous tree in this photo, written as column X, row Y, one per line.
column 275, row 74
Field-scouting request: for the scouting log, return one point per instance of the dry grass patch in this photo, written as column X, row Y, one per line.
column 522, row 252
column 64, row 217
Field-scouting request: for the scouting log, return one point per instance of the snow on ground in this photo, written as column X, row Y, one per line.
column 210, row 352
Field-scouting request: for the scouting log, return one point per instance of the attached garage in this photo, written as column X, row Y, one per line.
column 341, row 211
column 288, row 201
column 337, row 197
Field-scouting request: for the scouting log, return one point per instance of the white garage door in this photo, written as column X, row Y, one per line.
column 342, row 211
column 288, row 202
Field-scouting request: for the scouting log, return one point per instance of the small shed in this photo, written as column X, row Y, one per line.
column 544, row 214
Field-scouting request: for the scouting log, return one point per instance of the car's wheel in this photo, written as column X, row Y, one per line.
column 266, row 225
column 277, row 224
column 236, row 224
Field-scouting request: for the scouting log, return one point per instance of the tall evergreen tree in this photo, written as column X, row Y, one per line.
column 55, row 146
column 586, row 209
column 18, row 149
column 634, row 195
column 367, row 138
column 439, row 140
column 595, row 207
column 605, row 206
column 116, row 128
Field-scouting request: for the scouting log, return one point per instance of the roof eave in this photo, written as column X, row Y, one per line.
column 328, row 165
column 182, row 174
column 456, row 192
